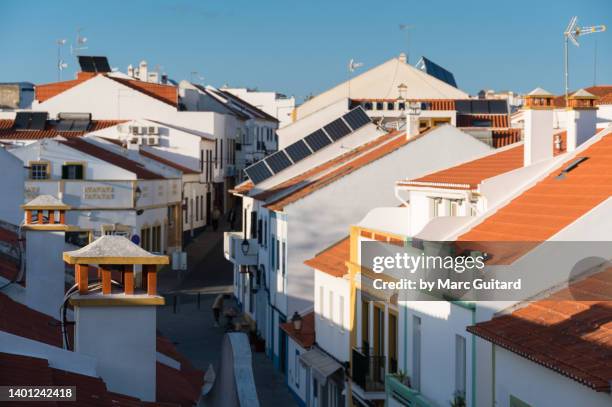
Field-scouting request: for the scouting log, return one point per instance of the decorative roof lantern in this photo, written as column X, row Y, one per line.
column 115, row 258
column 581, row 99
column 45, row 211
column 539, row 99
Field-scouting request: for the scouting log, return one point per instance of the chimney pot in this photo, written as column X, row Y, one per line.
column 538, row 130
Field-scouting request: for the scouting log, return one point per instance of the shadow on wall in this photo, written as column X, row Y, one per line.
column 235, row 385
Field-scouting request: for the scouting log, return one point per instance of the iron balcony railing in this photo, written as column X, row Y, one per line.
column 368, row 369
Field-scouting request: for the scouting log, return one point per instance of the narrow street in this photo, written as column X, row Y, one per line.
column 187, row 318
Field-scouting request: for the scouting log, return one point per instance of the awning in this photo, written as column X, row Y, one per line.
column 322, row 365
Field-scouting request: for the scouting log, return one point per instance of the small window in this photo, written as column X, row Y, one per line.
column 401, row 106
column 367, row 105
column 331, row 307
column 39, row 170
column 434, row 207
column 390, row 106
column 482, row 123
column 72, row 171
column 379, row 105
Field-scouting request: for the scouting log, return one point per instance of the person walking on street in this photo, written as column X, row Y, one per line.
column 217, row 307
column 216, row 215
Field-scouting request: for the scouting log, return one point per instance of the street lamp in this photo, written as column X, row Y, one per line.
column 245, row 245
column 296, row 319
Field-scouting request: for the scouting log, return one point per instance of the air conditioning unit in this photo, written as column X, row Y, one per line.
column 152, row 140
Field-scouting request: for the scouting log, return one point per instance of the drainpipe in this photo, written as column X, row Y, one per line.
column 399, row 198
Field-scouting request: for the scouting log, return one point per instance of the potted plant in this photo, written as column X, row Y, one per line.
column 458, row 399
column 403, row 378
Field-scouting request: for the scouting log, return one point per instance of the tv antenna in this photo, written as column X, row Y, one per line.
column 61, row 65
column 80, row 43
column 352, row 67
column 407, row 28
column 571, row 33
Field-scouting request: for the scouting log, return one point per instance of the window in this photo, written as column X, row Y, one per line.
column 454, row 207
column 401, row 105
column 284, row 258
column 379, row 106
column 253, row 224
column 144, row 238
column 197, row 208
column 72, row 171
column 156, row 239
column 482, row 123
column 321, row 301
column 460, row 366
column 221, row 156
column 341, row 312
column 216, row 152
column 201, row 160
column 390, row 106
column 330, row 314
column 278, row 259
column 434, row 207
column 297, row 368
column 416, row 353
column 39, row 170
column 260, row 231
column 265, row 233
column 201, row 207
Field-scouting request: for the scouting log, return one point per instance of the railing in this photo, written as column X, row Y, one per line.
column 404, row 394
column 368, row 371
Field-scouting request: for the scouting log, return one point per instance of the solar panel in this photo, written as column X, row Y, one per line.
column 258, row 172
column 22, row 121
column 498, row 106
column 337, row 129
column 463, row 106
column 101, row 64
column 38, row 120
column 278, row 161
column 480, row 106
column 357, row 118
column 87, row 64
column 317, row 140
column 80, row 125
column 298, row 151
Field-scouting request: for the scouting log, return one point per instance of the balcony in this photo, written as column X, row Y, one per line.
column 238, row 253
column 403, row 394
column 368, row 371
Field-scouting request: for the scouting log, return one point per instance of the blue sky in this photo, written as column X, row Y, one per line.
column 303, row 47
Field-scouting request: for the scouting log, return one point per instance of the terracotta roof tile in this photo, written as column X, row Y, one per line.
column 46, row 91
column 20, row 320
column 243, row 188
column 305, row 337
column 9, row 266
column 8, row 133
column 333, row 259
column 470, row 174
column 571, row 337
column 110, row 157
column 552, row 204
column 604, row 92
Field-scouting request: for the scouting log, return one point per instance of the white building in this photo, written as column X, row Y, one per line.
column 284, row 222
column 273, row 103
column 111, row 190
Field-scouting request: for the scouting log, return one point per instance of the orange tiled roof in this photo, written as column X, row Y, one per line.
column 8, row 133
column 46, row 91
column 469, row 175
column 333, row 259
column 9, row 268
column 604, row 92
column 243, row 187
column 306, row 336
column 20, row 320
column 573, row 338
column 552, row 204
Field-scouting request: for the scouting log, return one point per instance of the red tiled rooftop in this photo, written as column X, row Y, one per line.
column 470, row 174
column 46, row 91
column 603, row 92
column 333, row 259
column 110, row 157
column 571, row 337
column 8, row 133
column 552, row 204
column 305, row 337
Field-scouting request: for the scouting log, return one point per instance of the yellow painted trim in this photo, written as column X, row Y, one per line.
column 50, row 227
column 110, row 301
column 46, row 207
column 68, row 258
column 46, row 162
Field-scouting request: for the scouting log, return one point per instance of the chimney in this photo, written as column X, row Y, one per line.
column 538, row 130
column 115, row 317
column 413, row 111
column 143, row 73
column 45, row 227
column 403, row 57
column 130, row 70
column 581, row 118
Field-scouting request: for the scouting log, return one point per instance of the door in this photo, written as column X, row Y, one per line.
column 208, row 208
column 283, row 350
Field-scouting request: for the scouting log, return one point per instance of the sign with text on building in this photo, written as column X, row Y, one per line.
column 98, row 192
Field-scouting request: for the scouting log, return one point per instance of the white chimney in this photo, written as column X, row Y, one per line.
column 403, row 57
column 413, row 111
column 581, row 118
column 143, row 73
column 45, row 227
column 538, row 129
column 116, row 323
column 130, row 70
